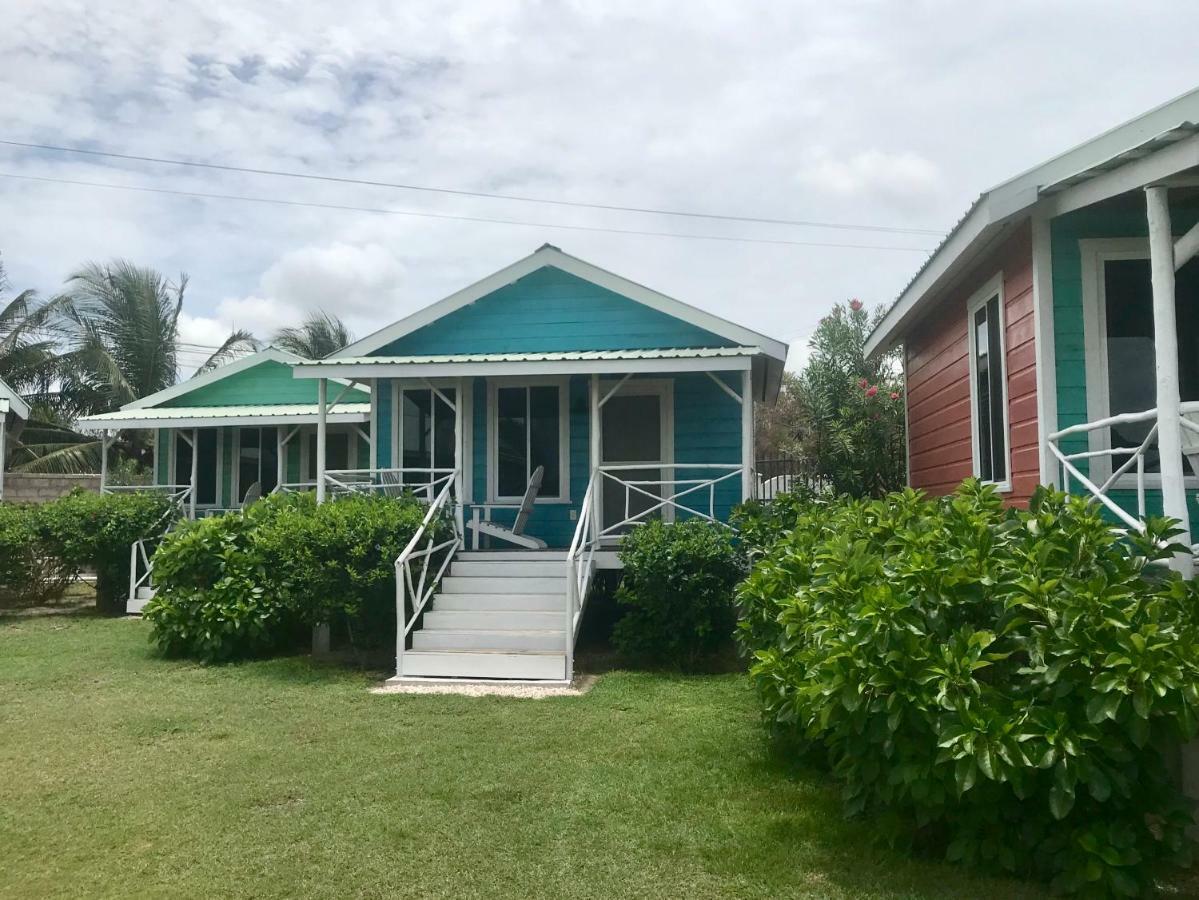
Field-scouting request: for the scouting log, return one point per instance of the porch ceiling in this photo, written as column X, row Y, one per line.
column 212, row 416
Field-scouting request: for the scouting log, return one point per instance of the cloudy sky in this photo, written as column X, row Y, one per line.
column 891, row 115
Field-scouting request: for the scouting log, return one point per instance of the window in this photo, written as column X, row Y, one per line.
column 206, row 464
column 257, row 460
column 1119, row 303
column 426, row 431
column 337, row 452
column 988, row 384
column 529, row 429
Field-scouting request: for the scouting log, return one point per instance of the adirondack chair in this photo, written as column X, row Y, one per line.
column 253, row 493
column 515, row 534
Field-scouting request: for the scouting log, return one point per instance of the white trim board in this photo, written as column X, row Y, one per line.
column 528, row 368
column 993, row 289
column 13, row 401
column 184, row 422
column 548, row 255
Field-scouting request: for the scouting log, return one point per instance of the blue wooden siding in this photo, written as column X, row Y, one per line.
column 707, row 429
column 1069, row 341
column 550, row 310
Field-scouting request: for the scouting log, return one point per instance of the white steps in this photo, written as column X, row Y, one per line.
column 497, row 614
column 136, row 603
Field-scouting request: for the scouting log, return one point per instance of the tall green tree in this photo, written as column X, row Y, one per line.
column 316, row 337
column 853, row 406
column 27, row 347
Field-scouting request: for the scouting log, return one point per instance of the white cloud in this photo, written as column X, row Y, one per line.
column 904, row 176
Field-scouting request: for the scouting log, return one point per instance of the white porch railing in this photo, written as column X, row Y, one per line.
column 423, row 482
column 1189, row 420
column 419, row 586
column 140, row 566
column 688, row 492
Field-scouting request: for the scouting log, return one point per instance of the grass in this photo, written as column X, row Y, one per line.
column 127, row 775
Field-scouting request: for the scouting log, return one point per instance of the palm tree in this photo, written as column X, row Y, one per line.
column 316, row 337
column 120, row 326
column 26, row 343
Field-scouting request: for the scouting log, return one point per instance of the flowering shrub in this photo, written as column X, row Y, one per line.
column 996, row 685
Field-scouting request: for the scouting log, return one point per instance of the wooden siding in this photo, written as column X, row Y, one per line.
column 269, row 382
column 550, row 310
column 940, row 438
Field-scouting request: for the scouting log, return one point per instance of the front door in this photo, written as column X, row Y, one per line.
column 635, row 431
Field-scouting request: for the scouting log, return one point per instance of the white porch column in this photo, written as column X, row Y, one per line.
column 374, row 441
column 459, row 453
column 322, row 401
column 595, row 424
column 103, row 459
column 195, row 467
column 747, row 434
column 280, row 460
column 4, row 451
column 1165, row 340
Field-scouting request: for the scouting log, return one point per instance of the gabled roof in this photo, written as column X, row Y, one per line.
column 549, row 255
column 1175, row 123
column 11, row 400
column 214, row 375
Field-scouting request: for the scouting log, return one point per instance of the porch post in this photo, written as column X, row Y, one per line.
column 322, row 399
column 1165, row 341
column 595, row 424
column 280, row 462
column 747, row 434
column 3, row 450
column 459, row 453
column 103, row 460
column 374, row 423
column 195, row 468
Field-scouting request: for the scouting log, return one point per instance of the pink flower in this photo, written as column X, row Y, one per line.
column 895, row 395
column 863, row 383
column 872, row 390
column 855, row 304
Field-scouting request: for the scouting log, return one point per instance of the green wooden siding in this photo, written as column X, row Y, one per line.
column 269, row 382
column 1070, row 344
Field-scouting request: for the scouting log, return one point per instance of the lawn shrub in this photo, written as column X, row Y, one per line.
column 760, row 524
column 31, row 574
column 677, row 591
column 248, row 583
column 1001, row 686
column 85, row 530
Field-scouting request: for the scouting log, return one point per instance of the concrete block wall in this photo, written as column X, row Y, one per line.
column 27, row 488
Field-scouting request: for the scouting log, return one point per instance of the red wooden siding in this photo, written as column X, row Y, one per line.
column 938, row 372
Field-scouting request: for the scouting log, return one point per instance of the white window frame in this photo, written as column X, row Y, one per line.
column 493, row 386
column 173, row 467
column 307, row 431
column 1094, row 253
column 397, row 419
column 235, row 462
column 989, row 291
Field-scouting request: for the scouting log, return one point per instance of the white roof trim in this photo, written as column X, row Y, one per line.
column 183, row 417
column 385, row 369
column 13, row 401
column 551, row 256
column 1017, row 196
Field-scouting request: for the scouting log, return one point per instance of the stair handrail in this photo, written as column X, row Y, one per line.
column 423, row 588
column 580, row 567
column 180, row 497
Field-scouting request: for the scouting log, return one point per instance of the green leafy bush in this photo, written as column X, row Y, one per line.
column 214, row 599
column 31, row 574
column 997, row 685
column 677, row 589
column 759, row 524
column 95, row 531
column 248, row 583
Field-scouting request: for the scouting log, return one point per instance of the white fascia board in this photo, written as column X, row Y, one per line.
column 213, row 376
column 526, row 367
column 11, row 400
column 1138, row 173
column 221, row 421
column 552, row 256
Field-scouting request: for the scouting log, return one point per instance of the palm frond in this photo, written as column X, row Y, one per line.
column 238, row 343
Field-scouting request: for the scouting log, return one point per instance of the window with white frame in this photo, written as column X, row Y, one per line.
column 425, row 431
column 1121, row 349
column 988, row 383
column 528, row 428
column 257, row 460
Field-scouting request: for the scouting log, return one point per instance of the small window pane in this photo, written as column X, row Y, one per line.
column 268, row 473
column 545, row 438
column 983, row 394
column 337, row 450
column 512, row 438
column 997, row 393
column 183, row 460
column 418, row 429
column 206, row 470
column 249, row 459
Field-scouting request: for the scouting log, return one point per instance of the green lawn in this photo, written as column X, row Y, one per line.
column 125, row 775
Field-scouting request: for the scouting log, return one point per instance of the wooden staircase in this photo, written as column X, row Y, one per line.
column 496, row 614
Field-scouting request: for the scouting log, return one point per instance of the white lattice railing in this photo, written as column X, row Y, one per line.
column 423, row 482
column 685, row 490
column 413, row 565
column 1133, row 467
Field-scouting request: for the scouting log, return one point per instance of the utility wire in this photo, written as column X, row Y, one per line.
column 279, row 173
column 430, row 215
